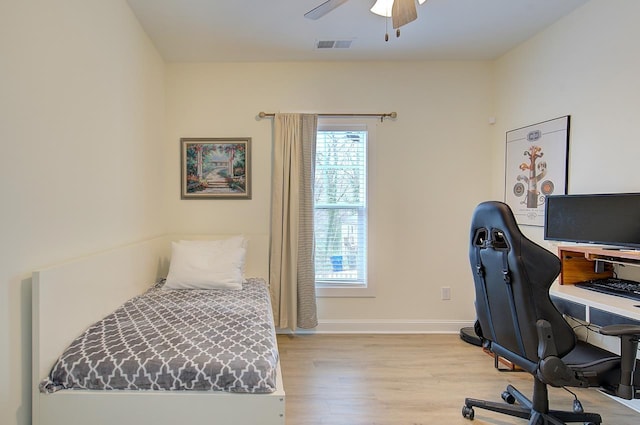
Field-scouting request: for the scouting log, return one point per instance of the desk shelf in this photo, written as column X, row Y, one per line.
column 579, row 262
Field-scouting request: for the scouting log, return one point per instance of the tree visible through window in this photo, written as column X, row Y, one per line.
column 341, row 207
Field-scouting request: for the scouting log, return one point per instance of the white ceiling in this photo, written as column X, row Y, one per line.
column 276, row 30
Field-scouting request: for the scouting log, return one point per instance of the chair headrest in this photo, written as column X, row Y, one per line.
column 493, row 223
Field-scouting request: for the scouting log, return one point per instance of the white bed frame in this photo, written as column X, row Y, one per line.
column 69, row 297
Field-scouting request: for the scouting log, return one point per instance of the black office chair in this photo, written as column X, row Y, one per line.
column 518, row 321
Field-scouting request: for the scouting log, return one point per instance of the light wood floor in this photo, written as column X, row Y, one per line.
column 406, row 380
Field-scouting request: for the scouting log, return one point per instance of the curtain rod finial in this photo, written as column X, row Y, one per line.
column 262, row 115
column 393, row 115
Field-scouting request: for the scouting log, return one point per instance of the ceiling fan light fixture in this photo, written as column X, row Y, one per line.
column 383, row 7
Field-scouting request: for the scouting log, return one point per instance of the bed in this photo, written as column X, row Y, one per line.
column 69, row 297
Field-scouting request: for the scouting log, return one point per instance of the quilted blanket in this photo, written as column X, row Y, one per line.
column 207, row 340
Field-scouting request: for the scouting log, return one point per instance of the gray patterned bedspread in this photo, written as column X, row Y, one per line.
column 220, row 340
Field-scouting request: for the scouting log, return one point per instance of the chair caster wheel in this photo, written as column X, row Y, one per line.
column 507, row 397
column 468, row 413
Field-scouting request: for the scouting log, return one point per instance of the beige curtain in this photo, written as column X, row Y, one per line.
column 291, row 271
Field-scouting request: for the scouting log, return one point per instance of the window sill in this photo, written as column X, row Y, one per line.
column 344, row 291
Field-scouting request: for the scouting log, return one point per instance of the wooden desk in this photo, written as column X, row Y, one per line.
column 597, row 309
column 580, row 263
column 593, row 308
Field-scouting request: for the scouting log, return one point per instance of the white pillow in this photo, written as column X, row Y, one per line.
column 198, row 266
column 224, row 244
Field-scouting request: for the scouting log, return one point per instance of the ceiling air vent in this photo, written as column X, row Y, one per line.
column 333, row 44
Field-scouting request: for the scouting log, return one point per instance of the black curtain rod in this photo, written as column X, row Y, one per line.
column 392, row 115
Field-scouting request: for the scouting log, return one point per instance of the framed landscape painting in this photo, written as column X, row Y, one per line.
column 214, row 168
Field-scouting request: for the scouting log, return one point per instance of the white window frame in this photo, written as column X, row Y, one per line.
column 366, row 289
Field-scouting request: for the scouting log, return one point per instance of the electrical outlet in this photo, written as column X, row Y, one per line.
column 446, row 293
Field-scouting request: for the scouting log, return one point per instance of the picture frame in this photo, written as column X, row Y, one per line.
column 215, row 168
column 536, row 165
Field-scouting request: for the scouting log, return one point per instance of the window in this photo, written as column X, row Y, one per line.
column 340, row 206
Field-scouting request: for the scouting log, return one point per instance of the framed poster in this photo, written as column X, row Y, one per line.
column 215, row 168
column 536, row 166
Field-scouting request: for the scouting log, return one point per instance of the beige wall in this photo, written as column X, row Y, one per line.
column 82, row 119
column 437, row 160
column 586, row 66
column 429, row 170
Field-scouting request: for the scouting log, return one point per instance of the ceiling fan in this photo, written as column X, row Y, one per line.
column 401, row 11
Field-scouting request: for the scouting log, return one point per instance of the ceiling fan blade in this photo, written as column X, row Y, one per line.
column 324, row 8
column 403, row 12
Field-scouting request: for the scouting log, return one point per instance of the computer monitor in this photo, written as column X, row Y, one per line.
column 609, row 219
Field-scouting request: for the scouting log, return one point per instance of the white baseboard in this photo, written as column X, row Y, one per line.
column 632, row 404
column 384, row 326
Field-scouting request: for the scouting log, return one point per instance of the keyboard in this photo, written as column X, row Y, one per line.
column 613, row 286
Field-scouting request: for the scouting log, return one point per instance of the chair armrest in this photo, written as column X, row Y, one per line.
column 619, row 330
column 551, row 369
column 546, row 342
column 629, row 336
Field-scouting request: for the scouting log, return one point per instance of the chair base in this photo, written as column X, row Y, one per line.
column 524, row 409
